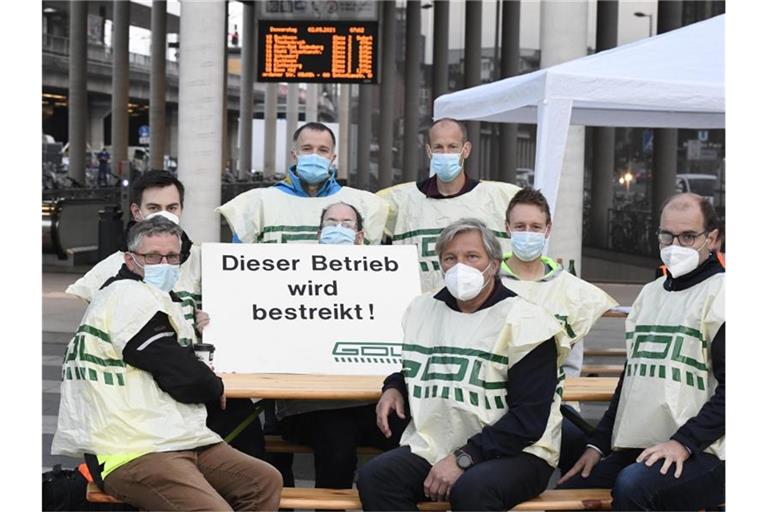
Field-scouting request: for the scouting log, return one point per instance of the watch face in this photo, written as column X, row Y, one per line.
column 463, row 460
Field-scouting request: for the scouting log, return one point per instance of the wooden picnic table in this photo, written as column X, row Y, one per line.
column 368, row 387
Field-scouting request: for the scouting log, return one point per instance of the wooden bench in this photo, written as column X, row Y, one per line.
column 591, row 370
column 276, row 444
column 348, row 499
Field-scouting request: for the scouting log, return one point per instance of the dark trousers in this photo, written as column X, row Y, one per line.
column 395, row 481
column 334, row 435
column 573, row 441
column 639, row 487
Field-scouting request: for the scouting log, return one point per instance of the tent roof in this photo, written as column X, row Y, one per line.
column 673, row 80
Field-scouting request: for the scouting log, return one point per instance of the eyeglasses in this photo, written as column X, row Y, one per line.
column 154, row 259
column 351, row 224
column 686, row 238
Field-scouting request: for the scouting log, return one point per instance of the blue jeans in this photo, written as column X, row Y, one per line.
column 394, row 481
column 639, row 487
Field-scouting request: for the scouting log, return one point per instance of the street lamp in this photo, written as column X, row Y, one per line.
column 650, row 21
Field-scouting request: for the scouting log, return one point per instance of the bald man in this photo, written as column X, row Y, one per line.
column 661, row 443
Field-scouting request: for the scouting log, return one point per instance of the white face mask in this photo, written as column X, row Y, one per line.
column 679, row 260
column 168, row 215
column 465, row 282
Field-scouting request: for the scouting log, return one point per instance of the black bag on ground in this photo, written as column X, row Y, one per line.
column 64, row 489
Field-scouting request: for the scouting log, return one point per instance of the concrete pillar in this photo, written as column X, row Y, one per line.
column 97, row 111
column 473, row 32
column 664, row 171
column 440, row 31
column 604, row 138
column 78, row 92
column 247, row 66
column 343, row 145
column 563, row 38
column 270, row 130
column 200, row 110
column 310, row 103
column 172, row 139
column 120, row 82
column 157, row 131
column 387, row 94
column 291, row 117
column 225, row 135
column 364, row 137
column 510, row 66
column 232, row 119
column 411, row 149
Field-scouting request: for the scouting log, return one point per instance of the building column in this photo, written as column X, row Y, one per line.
column 78, row 92
column 604, row 138
column 564, row 38
column 200, row 110
column 342, row 149
column 413, row 60
column 664, row 171
column 157, row 131
column 97, row 111
column 270, row 130
column 172, row 139
column 291, row 117
column 248, row 64
column 310, row 103
column 121, row 12
column 510, row 66
column 364, row 136
column 473, row 32
column 440, row 32
column 387, row 94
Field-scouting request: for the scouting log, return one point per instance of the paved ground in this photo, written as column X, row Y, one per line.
column 62, row 313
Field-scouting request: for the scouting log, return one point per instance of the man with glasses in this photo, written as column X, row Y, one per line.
column 661, row 443
column 334, row 429
column 287, row 212
column 133, row 394
column 418, row 212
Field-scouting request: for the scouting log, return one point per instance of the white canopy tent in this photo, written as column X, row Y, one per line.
column 673, row 80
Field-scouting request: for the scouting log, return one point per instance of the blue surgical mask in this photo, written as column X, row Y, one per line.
column 162, row 276
column 445, row 165
column 527, row 245
column 313, row 168
column 337, row 235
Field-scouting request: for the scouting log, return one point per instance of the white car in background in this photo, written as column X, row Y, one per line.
column 705, row 185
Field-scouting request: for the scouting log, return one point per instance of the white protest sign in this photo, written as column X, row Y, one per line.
column 307, row 308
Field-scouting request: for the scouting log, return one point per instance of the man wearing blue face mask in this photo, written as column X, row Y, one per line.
column 287, row 212
column 576, row 303
column 418, row 212
column 334, row 429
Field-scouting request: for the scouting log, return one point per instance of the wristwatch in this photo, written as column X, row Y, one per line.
column 463, row 459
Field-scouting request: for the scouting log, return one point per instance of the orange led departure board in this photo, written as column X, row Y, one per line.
column 317, row 51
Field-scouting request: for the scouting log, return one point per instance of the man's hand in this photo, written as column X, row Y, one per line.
column 390, row 400
column 201, row 319
column 442, row 476
column 223, row 401
column 586, row 462
column 671, row 451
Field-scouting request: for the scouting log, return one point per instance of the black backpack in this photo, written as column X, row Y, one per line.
column 64, row 489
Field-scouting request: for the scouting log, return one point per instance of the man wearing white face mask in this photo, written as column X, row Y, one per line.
column 133, row 394
column 480, row 383
column 661, row 443
column 287, row 212
column 576, row 303
column 418, row 212
column 334, row 429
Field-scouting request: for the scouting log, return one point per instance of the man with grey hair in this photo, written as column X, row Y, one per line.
column 133, row 394
column 481, row 373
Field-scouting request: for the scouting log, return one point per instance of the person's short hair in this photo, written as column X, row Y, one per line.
column 490, row 242
column 156, row 179
column 450, row 120
column 532, row 196
column 318, row 127
column 358, row 217
column 157, row 225
column 711, row 218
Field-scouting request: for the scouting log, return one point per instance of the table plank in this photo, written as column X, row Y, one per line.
column 368, row 387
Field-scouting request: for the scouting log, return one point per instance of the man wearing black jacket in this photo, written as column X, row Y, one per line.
column 133, row 394
column 661, row 443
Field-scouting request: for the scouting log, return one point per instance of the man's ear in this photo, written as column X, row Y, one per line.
column 466, row 150
column 712, row 239
column 135, row 211
column 548, row 231
column 360, row 238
